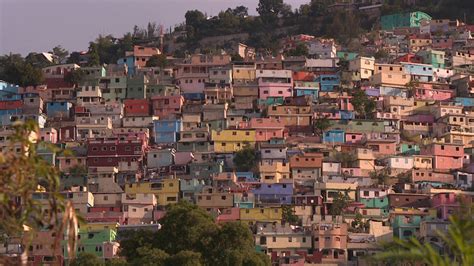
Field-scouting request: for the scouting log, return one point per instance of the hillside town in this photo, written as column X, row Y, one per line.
column 324, row 155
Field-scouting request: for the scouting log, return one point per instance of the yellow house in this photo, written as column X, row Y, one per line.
column 253, row 215
column 389, row 75
column 422, row 161
column 166, row 190
column 228, row 140
column 100, row 226
column 330, row 190
column 273, row 171
column 244, row 71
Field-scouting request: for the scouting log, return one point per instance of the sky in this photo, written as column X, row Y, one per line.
column 39, row 25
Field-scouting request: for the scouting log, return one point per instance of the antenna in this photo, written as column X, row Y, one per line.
column 161, row 38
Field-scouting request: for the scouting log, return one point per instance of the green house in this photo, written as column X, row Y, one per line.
column 405, row 227
column 409, row 149
column 347, row 55
column 92, row 241
column 405, row 20
column 137, row 87
column 433, row 57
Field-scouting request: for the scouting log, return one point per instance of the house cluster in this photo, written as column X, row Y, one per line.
column 327, row 183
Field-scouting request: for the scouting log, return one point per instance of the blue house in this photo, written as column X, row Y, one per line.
column 9, row 92
column 465, row 101
column 193, row 96
column 58, row 109
column 419, row 72
column 167, row 131
column 270, row 194
column 328, row 82
column 129, row 61
column 346, row 115
column 189, row 187
column 334, row 136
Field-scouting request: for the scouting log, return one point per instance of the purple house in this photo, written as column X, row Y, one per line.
column 273, row 194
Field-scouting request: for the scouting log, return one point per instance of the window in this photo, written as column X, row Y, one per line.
column 274, row 239
column 290, row 239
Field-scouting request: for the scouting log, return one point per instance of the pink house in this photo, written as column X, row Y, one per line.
column 351, row 171
column 41, row 248
column 382, row 147
column 110, row 250
column 430, row 92
column 274, row 83
column 328, row 115
column 229, row 215
column 447, row 163
column 446, row 204
column 345, row 103
column 183, row 157
column 446, row 156
column 266, row 128
column 165, row 106
column 442, row 43
column 49, row 135
column 443, row 149
column 354, row 137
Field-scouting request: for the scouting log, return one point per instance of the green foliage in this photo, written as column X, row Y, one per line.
column 358, row 225
column 381, row 176
column 320, row 125
column 245, row 159
column 363, row 105
column 346, row 159
column 22, row 171
column 300, row 50
column 14, row 69
column 189, row 236
column 269, row 10
column 75, row 76
column 289, row 215
column 86, row 259
column 381, row 54
column 60, row 53
column 457, row 242
column 157, row 61
column 339, row 203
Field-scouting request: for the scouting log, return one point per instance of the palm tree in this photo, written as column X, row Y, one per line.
column 458, row 243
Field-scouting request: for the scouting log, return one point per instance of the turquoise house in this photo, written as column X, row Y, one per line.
column 409, row 149
column 405, row 226
column 405, row 20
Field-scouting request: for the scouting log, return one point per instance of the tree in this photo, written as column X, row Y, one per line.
column 94, row 58
column 269, row 10
column 363, row 105
column 14, row 69
column 240, row 11
column 157, row 61
column 300, row 50
column 75, row 76
column 358, row 225
column 60, row 53
column 339, row 203
column 245, row 159
column 345, row 158
column 457, row 247
column 185, row 258
column 86, row 259
column 150, row 257
column 22, row 173
column 190, row 236
column 320, row 125
column 381, row 176
column 289, row 215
